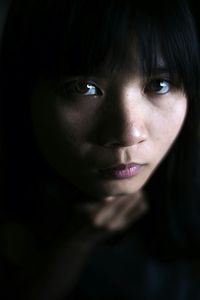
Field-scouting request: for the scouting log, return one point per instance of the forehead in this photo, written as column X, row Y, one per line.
column 110, row 68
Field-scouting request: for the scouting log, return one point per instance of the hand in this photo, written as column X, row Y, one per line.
column 90, row 224
column 116, row 213
column 94, row 220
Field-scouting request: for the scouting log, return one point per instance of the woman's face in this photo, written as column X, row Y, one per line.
column 107, row 133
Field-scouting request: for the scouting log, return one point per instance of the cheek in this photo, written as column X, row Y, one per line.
column 75, row 125
column 167, row 126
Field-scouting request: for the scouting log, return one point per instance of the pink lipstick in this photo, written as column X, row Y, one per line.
column 122, row 171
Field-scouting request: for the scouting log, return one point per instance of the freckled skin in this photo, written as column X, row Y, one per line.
column 79, row 135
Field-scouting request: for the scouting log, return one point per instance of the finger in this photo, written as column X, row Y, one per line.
column 130, row 215
column 115, row 209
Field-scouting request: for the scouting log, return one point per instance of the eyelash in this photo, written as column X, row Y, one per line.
column 73, row 88
column 161, row 83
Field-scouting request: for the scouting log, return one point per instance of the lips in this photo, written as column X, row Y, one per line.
column 122, row 171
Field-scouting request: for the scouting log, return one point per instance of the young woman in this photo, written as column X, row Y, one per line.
column 100, row 122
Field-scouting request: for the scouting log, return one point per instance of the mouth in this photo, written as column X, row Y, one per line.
column 122, row 171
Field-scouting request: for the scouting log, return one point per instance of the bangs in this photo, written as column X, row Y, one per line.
column 88, row 38
column 77, row 37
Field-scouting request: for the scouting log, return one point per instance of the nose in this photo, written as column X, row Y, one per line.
column 124, row 122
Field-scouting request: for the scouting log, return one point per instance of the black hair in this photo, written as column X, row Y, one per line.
column 54, row 38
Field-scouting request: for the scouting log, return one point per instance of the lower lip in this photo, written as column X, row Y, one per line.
column 122, row 172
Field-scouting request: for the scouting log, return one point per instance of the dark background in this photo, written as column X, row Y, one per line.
column 3, row 9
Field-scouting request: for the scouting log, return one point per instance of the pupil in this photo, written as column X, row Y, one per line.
column 157, row 85
column 82, row 87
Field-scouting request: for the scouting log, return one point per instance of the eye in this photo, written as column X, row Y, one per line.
column 158, row 86
column 81, row 88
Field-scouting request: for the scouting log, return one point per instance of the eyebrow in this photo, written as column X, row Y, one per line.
column 160, row 70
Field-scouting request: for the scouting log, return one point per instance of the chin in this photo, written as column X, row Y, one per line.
column 106, row 189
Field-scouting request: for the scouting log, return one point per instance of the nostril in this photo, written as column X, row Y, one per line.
column 123, row 134
column 124, row 141
column 113, row 143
